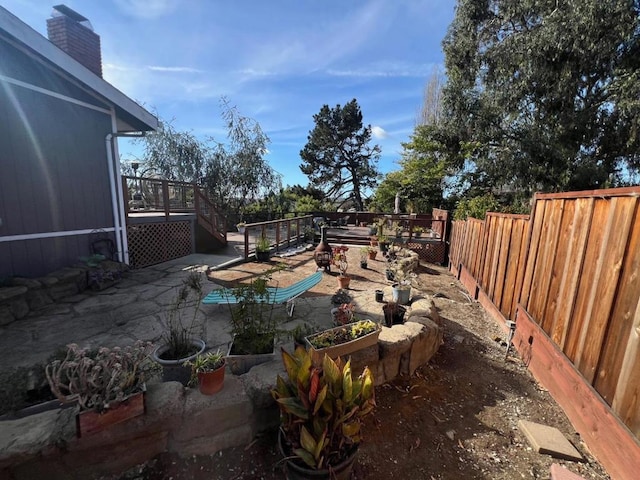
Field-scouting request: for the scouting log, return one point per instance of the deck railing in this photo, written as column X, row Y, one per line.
column 281, row 233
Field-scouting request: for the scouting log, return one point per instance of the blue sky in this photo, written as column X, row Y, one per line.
column 278, row 61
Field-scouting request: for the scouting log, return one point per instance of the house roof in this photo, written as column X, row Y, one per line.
column 131, row 116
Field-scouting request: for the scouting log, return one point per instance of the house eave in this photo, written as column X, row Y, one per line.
column 131, row 116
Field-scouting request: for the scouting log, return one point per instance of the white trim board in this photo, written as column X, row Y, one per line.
column 38, row 236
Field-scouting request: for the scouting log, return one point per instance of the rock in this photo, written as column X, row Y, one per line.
column 425, row 345
column 6, row 317
column 259, row 381
column 33, row 436
column 10, row 293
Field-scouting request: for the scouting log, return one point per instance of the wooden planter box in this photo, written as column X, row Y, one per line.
column 342, row 349
column 89, row 422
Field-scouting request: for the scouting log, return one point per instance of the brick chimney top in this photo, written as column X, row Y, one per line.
column 73, row 33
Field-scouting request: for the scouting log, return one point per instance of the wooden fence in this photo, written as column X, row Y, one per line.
column 573, row 270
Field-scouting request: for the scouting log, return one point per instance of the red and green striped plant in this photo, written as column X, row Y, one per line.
column 321, row 409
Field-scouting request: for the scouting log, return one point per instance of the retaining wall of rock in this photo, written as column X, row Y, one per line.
column 23, row 295
column 184, row 421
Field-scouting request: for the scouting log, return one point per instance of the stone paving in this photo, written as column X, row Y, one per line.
column 136, row 309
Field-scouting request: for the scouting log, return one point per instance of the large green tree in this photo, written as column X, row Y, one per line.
column 338, row 157
column 547, row 91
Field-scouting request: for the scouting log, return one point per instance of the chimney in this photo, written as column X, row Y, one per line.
column 73, row 33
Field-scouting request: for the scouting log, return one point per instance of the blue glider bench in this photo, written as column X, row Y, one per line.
column 275, row 295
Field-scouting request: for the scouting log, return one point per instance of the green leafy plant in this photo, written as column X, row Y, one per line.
column 207, row 362
column 347, row 333
column 100, row 378
column 254, row 322
column 180, row 331
column 93, row 260
column 263, row 244
column 321, row 409
column 301, row 331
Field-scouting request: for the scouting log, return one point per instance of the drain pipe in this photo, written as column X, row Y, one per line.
column 117, row 199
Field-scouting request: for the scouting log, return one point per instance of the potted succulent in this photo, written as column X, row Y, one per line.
column 179, row 343
column 321, row 414
column 254, row 324
column 343, row 340
column 418, row 231
column 207, row 370
column 107, row 383
column 241, row 226
column 263, row 247
column 404, row 278
column 340, row 261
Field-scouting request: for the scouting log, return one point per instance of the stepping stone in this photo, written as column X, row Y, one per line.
column 558, row 472
column 548, row 440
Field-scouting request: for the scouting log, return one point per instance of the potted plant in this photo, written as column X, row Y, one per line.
column 321, row 413
column 393, row 313
column 102, row 273
column 403, row 278
column 301, row 331
column 343, row 314
column 263, row 247
column 364, row 257
column 383, row 243
column 179, row 343
column 340, row 261
column 254, row 324
column 241, row 226
column 107, row 383
column 207, row 370
column 343, row 340
column 372, row 252
column 418, row 231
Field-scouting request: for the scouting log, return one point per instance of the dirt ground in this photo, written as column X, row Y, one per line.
column 456, row 418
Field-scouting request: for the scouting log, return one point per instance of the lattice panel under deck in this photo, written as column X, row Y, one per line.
column 152, row 243
column 429, row 252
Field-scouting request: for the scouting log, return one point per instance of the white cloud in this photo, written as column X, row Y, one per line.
column 379, row 132
column 157, row 68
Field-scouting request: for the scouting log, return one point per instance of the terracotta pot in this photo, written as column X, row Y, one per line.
column 211, row 382
column 343, row 282
column 372, row 255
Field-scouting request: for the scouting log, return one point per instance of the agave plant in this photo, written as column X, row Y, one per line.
column 321, row 409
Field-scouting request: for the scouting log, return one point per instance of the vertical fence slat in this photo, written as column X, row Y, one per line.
column 586, row 279
column 545, row 259
column 577, row 243
column 507, row 226
column 604, row 288
column 626, row 402
column 535, row 229
column 615, row 354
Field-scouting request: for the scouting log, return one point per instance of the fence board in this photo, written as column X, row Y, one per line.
column 545, row 258
column 535, row 229
column 494, row 241
column 581, row 224
column 583, row 303
column 619, row 344
column 501, row 273
column 604, row 287
column 558, row 270
column 626, row 402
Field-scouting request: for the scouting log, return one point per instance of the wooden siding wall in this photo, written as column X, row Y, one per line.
column 53, row 170
column 575, row 269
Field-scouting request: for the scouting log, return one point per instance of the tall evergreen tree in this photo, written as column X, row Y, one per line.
column 546, row 90
column 337, row 157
